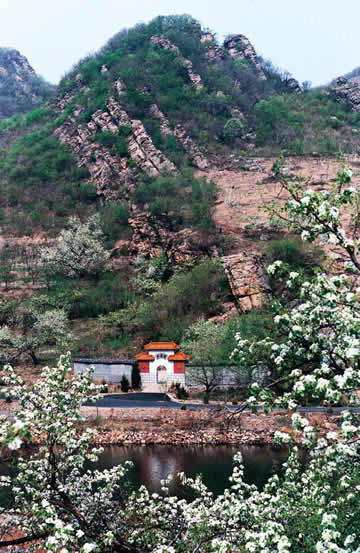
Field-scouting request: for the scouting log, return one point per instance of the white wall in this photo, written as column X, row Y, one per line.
column 109, row 372
column 169, row 377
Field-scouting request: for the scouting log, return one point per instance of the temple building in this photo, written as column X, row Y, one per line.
column 161, row 364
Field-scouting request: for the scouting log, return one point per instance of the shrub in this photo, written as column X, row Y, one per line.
column 180, row 391
column 114, row 221
column 135, row 378
column 233, row 129
column 116, row 143
column 168, row 198
column 294, row 252
column 124, row 384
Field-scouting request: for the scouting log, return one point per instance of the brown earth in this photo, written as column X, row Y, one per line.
column 177, row 427
column 242, row 217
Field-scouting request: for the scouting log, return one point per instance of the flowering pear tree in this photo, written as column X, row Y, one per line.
column 320, row 350
column 311, row 507
column 29, row 330
column 79, row 250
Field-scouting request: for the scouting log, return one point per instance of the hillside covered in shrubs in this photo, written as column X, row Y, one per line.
column 111, row 174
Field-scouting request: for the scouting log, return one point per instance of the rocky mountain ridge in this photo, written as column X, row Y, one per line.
column 20, row 88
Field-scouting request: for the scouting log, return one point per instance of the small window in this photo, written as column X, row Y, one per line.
column 161, row 356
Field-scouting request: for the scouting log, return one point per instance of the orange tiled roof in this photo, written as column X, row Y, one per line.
column 179, row 356
column 144, row 357
column 169, row 346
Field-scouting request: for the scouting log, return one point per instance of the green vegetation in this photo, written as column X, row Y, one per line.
column 206, row 341
column 124, row 384
column 305, row 123
column 176, row 304
column 181, row 201
column 116, row 143
column 42, row 185
column 298, row 255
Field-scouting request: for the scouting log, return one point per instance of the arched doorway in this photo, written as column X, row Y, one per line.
column 161, row 374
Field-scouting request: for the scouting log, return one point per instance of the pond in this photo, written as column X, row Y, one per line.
column 154, row 463
column 151, row 464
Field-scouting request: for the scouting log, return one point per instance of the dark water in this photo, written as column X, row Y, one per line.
column 215, row 463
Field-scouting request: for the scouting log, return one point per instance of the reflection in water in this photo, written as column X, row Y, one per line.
column 215, row 463
column 155, row 463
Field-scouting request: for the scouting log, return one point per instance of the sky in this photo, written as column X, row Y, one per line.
column 315, row 40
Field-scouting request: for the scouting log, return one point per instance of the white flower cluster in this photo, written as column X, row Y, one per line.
column 79, row 250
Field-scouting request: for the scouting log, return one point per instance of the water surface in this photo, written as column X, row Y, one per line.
column 154, row 463
column 151, row 464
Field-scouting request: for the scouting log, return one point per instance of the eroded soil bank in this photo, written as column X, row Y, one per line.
column 176, row 427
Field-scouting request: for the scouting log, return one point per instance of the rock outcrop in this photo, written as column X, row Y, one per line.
column 197, row 157
column 151, row 238
column 164, row 43
column 141, row 147
column 112, row 174
column 214, row 53
column 346, row 92
column 293, row 86
column 247, row 280
column 239, row 47
column 20, row 88
column 108, row 173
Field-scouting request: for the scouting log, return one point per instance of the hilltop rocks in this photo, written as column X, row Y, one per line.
column 346, row 92
column 292, row 86
column 17, row 67
column 214, row 53
column 20, row 88
column 165, row 44
column 239, row 47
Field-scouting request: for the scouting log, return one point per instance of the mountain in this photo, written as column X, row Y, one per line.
column 20, row 88
column 169, row 137
column 354, row 75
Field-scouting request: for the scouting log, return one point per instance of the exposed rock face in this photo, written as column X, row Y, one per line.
column 239, row 47
column 247, row 280
column 214, row 53
column 150, row 239
column 156, row 113
column 20, row 88
column 107, row 172
column 346, row 92
column 13, row 64
column 111, row 173
column 197, row 157
column 292, row 86
column 142, row 150
column 165, row 44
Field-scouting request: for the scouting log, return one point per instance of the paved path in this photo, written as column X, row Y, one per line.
column 153, row 400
